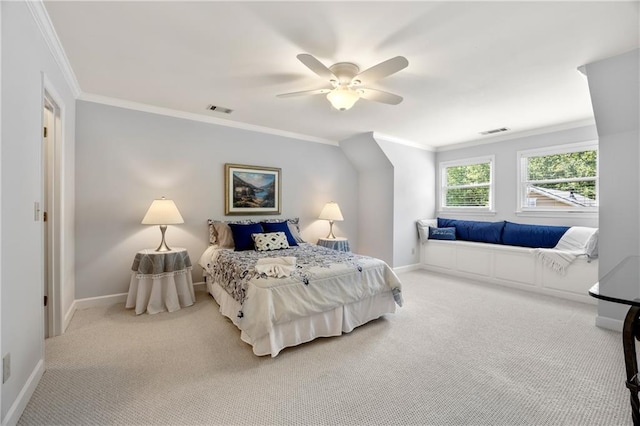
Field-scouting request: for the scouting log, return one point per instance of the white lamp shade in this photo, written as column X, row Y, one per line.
column 343, row 98
column 331, row 211
column 162, row 212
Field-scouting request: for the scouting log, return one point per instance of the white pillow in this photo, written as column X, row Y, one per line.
column 591, row 248
column 270, row 241
column 423, row 228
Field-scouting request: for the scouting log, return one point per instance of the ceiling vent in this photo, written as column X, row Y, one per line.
column 491, row 132
column 223, row 110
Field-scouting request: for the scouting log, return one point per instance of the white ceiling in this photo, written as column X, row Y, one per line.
column 473, row 66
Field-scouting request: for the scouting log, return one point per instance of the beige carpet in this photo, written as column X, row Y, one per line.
column 457, row 353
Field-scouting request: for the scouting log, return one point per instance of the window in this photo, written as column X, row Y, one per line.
column 467, row 184
column 561, row 178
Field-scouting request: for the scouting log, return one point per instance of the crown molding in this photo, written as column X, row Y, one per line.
column 382, row 136
column 152, row 109
column 41, row 17
column 522, row 134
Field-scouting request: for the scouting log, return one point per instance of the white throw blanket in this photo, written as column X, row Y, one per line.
column 278, row 267
column 577, row 241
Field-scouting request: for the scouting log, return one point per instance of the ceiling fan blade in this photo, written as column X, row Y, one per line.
column 379, row 96
column 381, row 70
column 316, row 66
column 304, row 93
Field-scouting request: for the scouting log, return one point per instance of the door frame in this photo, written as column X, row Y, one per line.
column 54, row 209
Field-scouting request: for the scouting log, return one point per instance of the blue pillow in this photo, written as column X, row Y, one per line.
column 442, row 233
column 280, row 227
column 534, row 236
column 242, row 234
column 471, row 230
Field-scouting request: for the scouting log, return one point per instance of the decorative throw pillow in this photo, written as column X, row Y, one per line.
column 442, row 233
column 220, row 233
column 294, row 227
column 270, row 241
column 423, row 228
column 212, row 234
column 224, row 236
column 280, row 227
column 242, row 234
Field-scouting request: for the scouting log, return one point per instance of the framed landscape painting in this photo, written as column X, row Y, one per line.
column 251, row 190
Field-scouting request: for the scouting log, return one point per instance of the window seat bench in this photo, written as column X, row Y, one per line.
column 506, row 253
column 512, row 266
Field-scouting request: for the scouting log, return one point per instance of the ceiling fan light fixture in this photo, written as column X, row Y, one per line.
column 343, row 98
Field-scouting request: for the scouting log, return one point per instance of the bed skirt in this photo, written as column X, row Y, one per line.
column 342, row 319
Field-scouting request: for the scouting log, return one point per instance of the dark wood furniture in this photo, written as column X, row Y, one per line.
column 622, row 285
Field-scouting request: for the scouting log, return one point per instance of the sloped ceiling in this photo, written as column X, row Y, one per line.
column 473, row 66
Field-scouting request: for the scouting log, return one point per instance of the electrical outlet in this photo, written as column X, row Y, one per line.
column 6, row 368
column 413, row 251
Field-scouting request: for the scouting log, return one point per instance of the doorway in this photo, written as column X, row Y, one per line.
column 51, row 137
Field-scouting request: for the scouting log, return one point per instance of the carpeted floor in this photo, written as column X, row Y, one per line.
column 457, row 353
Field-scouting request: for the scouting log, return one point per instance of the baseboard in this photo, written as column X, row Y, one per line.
column 609, row 323
column 407, row 268
column 69, row 316
column 92, row 302
column 17, row 408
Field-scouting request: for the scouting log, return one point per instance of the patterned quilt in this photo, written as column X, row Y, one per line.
column 321, row 280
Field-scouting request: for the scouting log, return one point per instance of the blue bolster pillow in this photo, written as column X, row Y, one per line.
column 534, row 236
column 471, row 230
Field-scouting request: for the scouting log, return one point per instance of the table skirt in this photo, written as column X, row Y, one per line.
column 160, row 293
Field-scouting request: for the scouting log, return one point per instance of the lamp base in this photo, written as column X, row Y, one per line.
column 331, row 236
column 163, row 244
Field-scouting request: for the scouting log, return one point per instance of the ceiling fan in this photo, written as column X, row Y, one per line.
column 348, row 82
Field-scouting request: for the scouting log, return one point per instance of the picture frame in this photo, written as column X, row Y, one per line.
column 251, row 190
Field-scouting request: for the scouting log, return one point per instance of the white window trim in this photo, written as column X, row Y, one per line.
column 443, row 165
column 521, row 210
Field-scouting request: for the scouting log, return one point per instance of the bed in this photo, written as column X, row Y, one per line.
column 295, row 293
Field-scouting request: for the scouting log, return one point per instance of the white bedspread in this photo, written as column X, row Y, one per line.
column 323, row 280
column 279, row 300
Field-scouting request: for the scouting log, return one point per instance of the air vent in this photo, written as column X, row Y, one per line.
column 223, row 110
column 491, row 132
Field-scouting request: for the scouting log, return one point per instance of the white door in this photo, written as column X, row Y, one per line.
column 50, row 237
column 48, row 123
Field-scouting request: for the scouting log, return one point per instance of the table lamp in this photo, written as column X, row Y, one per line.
column 331, row 212
column 162, row 212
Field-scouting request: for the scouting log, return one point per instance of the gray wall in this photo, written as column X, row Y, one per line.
column 25, row 59
column 506, row 177
column 126, row 158
column 375, row 196
column 413, row 196
column 396, row 188
column 613, row 84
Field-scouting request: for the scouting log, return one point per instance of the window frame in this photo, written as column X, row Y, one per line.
column 443, row 187
column 522, row 181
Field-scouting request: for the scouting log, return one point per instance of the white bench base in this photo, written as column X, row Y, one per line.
column 512, row 266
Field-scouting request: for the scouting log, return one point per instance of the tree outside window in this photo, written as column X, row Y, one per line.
column 467, row 184
column 562, row 178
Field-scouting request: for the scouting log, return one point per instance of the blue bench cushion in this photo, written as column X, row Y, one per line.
column 534, row 236
column 471, row 230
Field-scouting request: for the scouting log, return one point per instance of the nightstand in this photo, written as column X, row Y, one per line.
column 341, row 244
column 160, row 281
